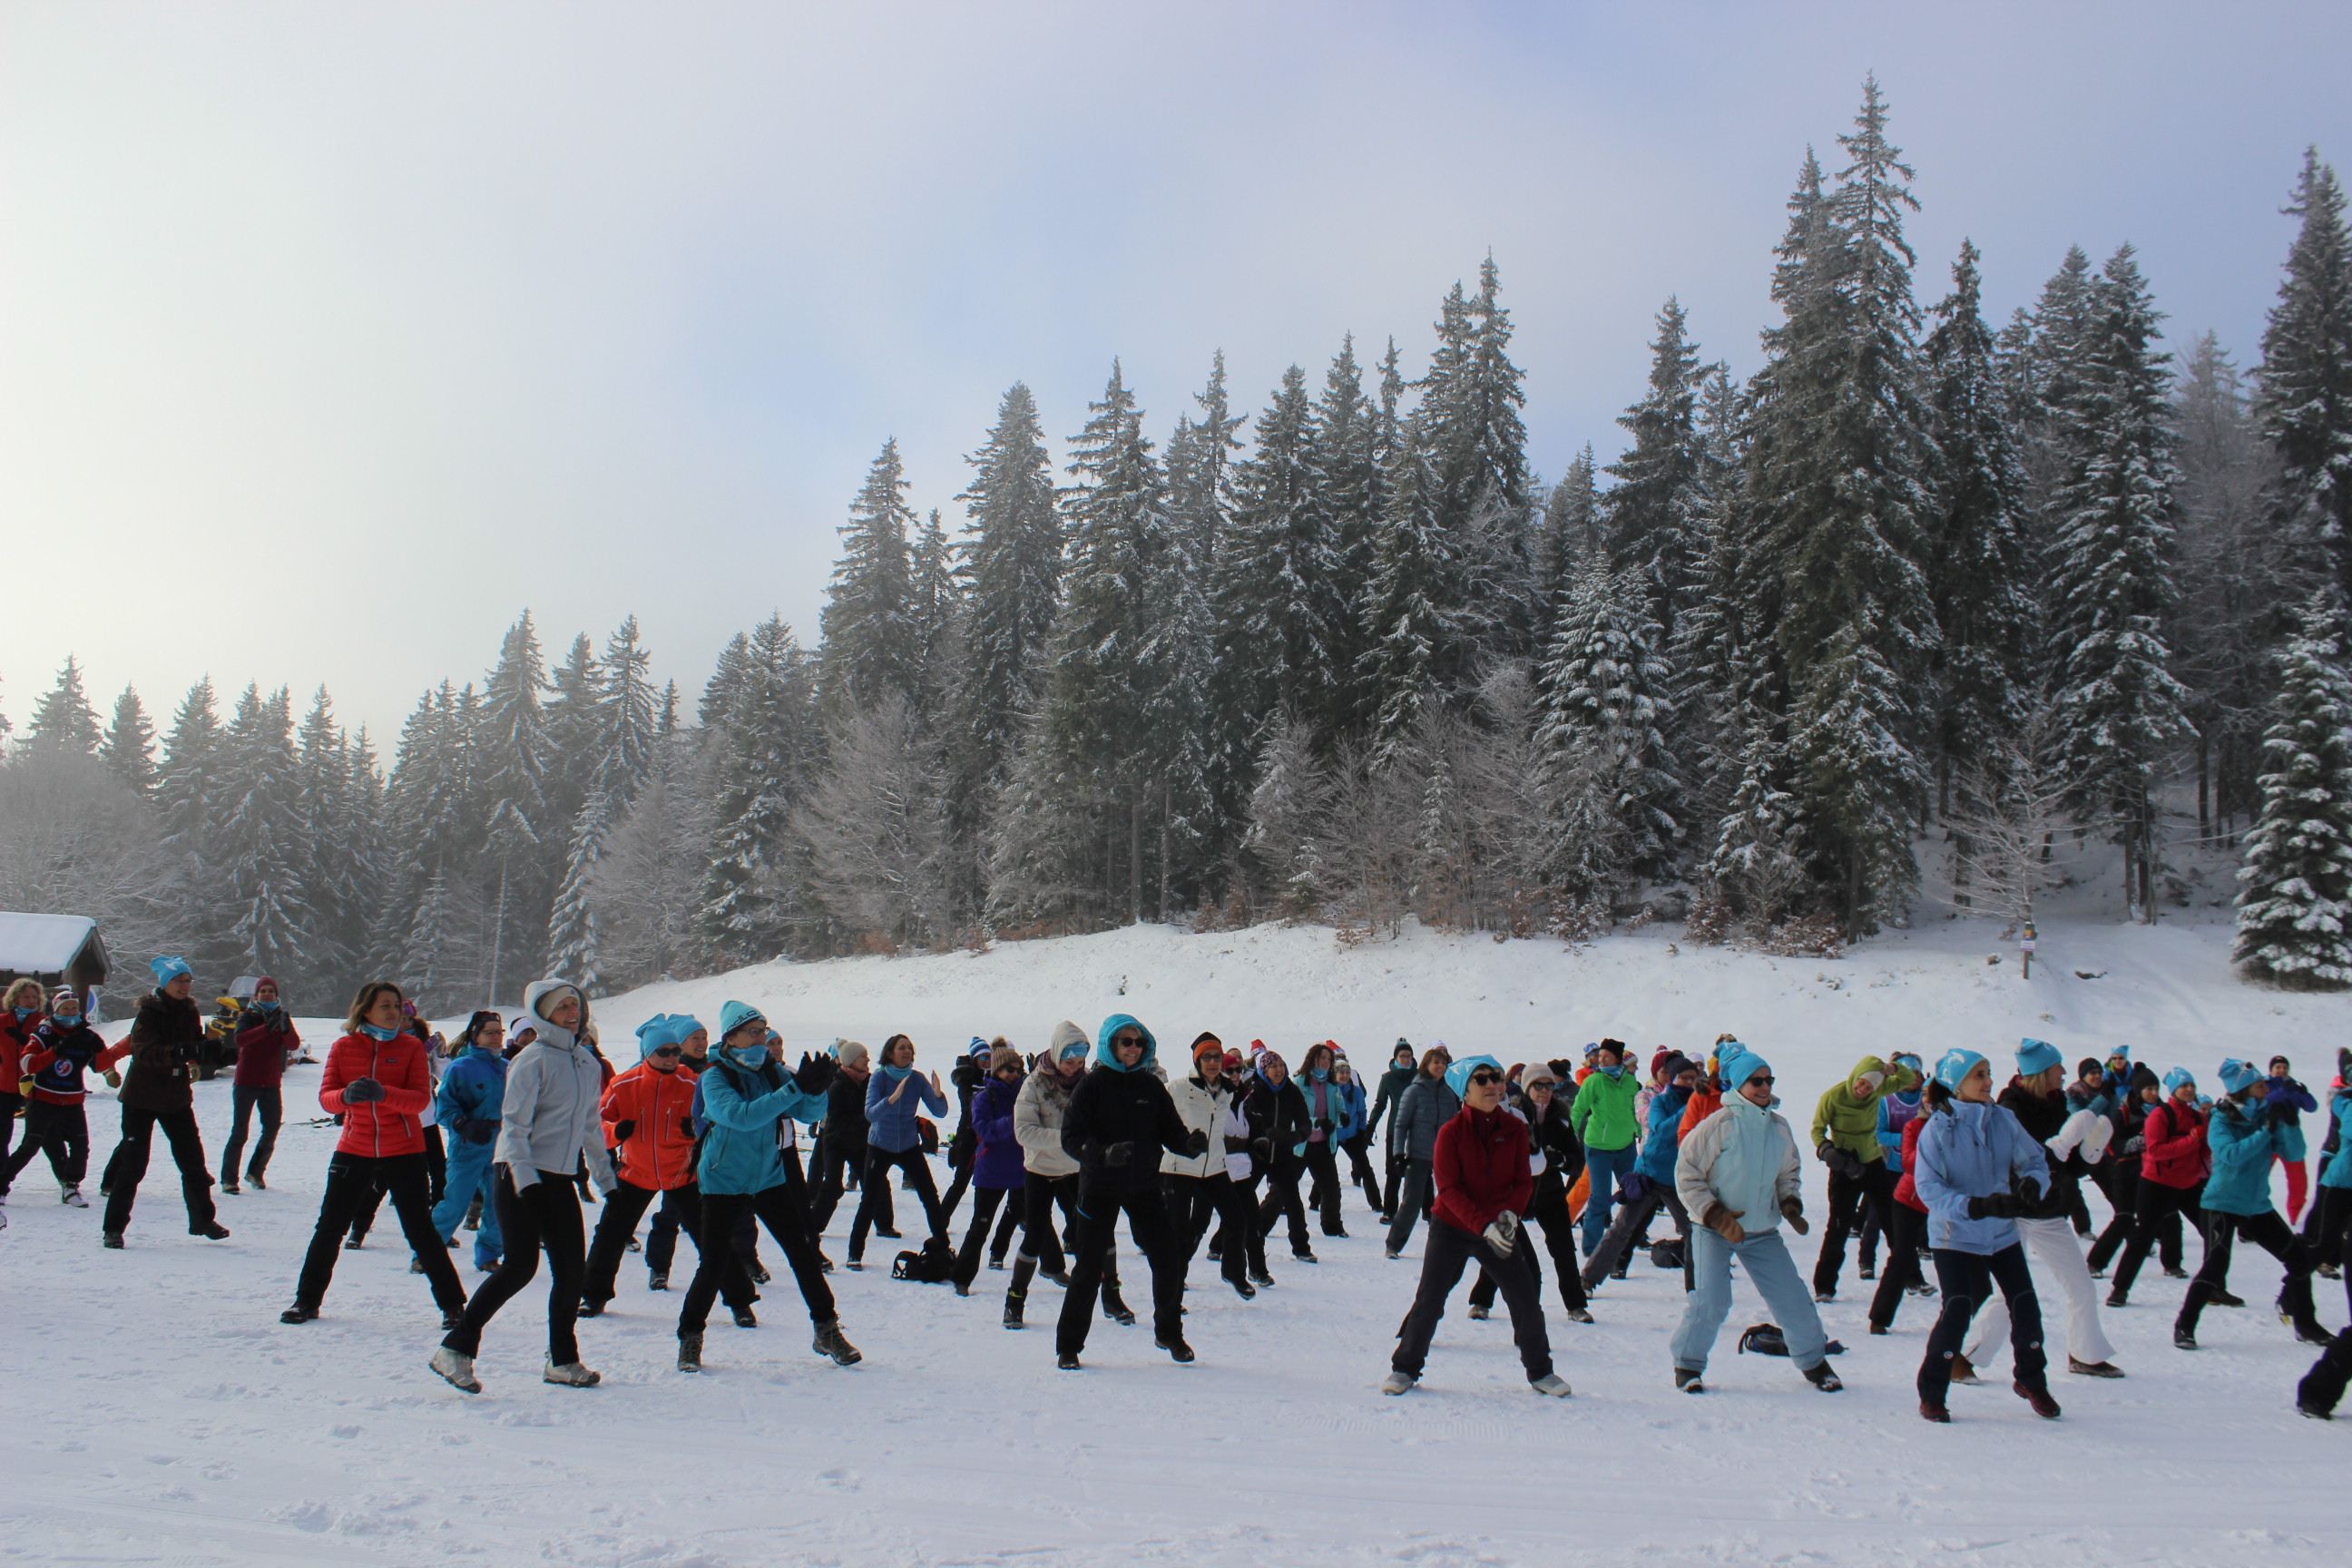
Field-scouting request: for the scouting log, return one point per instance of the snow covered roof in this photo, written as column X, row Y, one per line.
column 46, row 944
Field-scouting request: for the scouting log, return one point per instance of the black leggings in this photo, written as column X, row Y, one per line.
column 544, row 1215
column 1967, row 1280
column 783, row 1208
column 352, row 1178
column 244, row 1102
column 127, row 1167
column 2157, row 1202
column 1559, row 1240
column 624, row 1206
column 1040, row 1241
column 1325, row 1184
column 1282, row 1201
column 2274, row 1235
column 2123, row 1189
column 1447, row 1252
column 984, row 1209
column 1194, row 1202
column 1360, row 1170
column 1849, row 1195
column 1902, row 1271
column 64, row 1132
column 917, row 1170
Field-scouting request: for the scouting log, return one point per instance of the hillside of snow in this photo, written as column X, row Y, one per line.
column 158, row 1411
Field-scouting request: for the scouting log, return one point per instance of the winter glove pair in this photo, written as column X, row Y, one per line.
column 362, row 1091
column 816, row 1074
column 1630, row 1188
column 1322, row 1124
column 1724, row 1222
column 1840, row 1162
column 1118, row 1155
column 1262, row 1149
column 1504, row 1234
column 476, row 1130
column 1794, row 1213
column 1995, row 1206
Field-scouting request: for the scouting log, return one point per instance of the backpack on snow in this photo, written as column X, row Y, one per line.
column 935, row 1265
column 1764, row 1339
column 1667, row 1252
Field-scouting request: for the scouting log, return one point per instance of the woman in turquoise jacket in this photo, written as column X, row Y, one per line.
column 1978, row 1170
column 745, row 1093
column 2244, row 1136
column 894, row 1097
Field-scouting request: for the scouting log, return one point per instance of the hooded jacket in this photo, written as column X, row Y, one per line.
column 1552, row 1142
column 379, row 1129
column 1743, row 1157
column 1202, row 1107
column 1277, row 1116
column 890, row 1125
column 996, row 1162
column 1657, row 1159
column 742, row 1151
column 1042, row 1107
column 548, row 1115
column 1429, row 1103
column 1604, row 1111
column 1969, row 1150
column 165, row 1035
column 1393, row 1083
column 658, row 1155
column 1480, row 1168
column 2242, row 1142
column 1351, row 1107
column 1115, row 1104
column 473, row 1094
column 1842, row 1121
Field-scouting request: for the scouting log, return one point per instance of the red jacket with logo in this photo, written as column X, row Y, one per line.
column 394, row 1124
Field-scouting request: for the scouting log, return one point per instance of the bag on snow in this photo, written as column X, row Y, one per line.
column 1667, row 1254
column 935, row 1265
column 1764, row 1339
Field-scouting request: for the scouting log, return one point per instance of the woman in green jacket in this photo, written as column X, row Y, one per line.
column 1845, row 1139
column 1604, row 1121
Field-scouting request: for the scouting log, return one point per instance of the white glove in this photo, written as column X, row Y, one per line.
column 1237, row 1166
column 1504, row 1234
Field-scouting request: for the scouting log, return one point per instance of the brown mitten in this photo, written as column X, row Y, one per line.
column 1794, row 1213
column 1724, row 1222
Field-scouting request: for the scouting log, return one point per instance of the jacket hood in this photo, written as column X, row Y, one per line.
column 1457, row 1076
column 1112, row 1026
column 541, row 993
column 1066, row 1034
column 1865, row 1067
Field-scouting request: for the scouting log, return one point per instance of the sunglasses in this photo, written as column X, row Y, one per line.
column 1127, row 1039
column 1763, row 1078
column 1486, row 1075
column 669, row 1050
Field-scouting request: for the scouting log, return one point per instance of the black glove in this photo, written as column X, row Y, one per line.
column 1262, row 1149
column 1322, row 1124
column 1119, row 1153
column 816, row 1074
column 621, row 1130
column 2028, row 1191
column 685, row 1128
column 476, row 1131
column 1196, row 1143
column 2281, row 1113
column 362, row 1091
column 1993, row 1205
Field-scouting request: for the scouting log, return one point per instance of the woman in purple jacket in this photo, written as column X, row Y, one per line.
column 996, row 1168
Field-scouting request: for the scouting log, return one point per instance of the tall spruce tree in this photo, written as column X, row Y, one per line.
column 2112, row 507
column 766, row 740
column 1409, row 616
column 2306, row 376
column 63, row 719
column 128, row 747
column 1650, row 510
column 626, row 717
column 575, row 944
column 2295, row 903
column 1012, row 571
column 869, row 647
column 1605, row 709
column 260, row 837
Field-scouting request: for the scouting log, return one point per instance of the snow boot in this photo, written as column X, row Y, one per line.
column 1550, row 1383
column 1577, row 1315
column 456, row 1369
column 2118, row 1297
column 71, row 1197
column 299, row 1312
column 2183, row 1339
column 1963, row 1371
column 656, row 1281
column 354, row 1241
column 417, row 1266
column 1688, row 1381
column 829, row 1342
column 1115, row 1307
column 211, row 1230
column 1178, row 1351
column 474, row 1213
column 588, row 1309
column 1823, row 1378
column 1929, row 1410
column 2039, row 1398
column 745, row 1318
column 229, row 1185
column 571, row 1375
column 1067, row 1361
column 453, row 1319
column 689, row 1353
column 2174, row 1271
column 2223, row 1297
column 113, row 1240
column 1397, row 1381
column 1244, row 1289
column 253, row 1179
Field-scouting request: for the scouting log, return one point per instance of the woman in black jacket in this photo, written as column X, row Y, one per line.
column 1393, row 1083
column 1279, row 1128
column 841, row 1144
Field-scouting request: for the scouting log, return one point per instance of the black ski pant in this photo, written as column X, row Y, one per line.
column 542, row 1216
column 1360, row 1170
column 872, row 1209
column 1902, row 1271
column 1448, row 1251
column 1629, row 1221
column 1194, row 1200
column 839, row 1168
column 243, row 1102
column 1414, row 1195
column 2274, row 1235
column 2157, row 1202
column 1040, row 1240
column 63, row 1132
column 350, row 1178
column 1323, row 1186
column 1281, row 1201
column 624, row 1206
column 2322, row 1387
column 1550, row 1215
column 1968, row 1280
column 2124, row 1189
column 783, row 1209
column 983, row 1210
column 2326, row 1226
column 128, row 1166
column 1849, row 1195
column 1097, row 1222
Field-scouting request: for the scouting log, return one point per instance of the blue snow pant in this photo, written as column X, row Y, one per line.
column 469, row 1172
column 1765, row 1257
column 1605, row 1170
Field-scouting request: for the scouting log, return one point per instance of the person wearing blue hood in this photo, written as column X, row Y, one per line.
column 2245, row 1136
column 1976, row 1169
column 466, row 1104
column 745, row 1093
column 1119, row 1118
column 1738, row 1175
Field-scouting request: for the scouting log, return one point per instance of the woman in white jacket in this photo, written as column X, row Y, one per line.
column 548, row 1124
column 1201, row 1187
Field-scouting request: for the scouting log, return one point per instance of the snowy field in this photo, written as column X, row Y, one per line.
column 158, row 1413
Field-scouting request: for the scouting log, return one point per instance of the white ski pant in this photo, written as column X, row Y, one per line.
column 2057, row 1254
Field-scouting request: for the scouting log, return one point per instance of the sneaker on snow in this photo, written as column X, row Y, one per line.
column 456, row 1370
column 1178, row 1351
column 1825, row 1295
column 2223, row 1299
column 1397, row 1381
column 298, row 1313
column 211, row 1230
column 1825, row 1378
column 1931, row 1411
column 856, row 1266
column 452, row 1321
column 1869, row 1271
column 1922, row 1289
column 1244, row 1289
column 2092, row 1368
column 588, row 1309
column 746, row 1318
column 886, row 1230
column 1067, row 1361
column 1579, row 1315
column 2182, row 1339
column 1550, row 1383
column 1964, row 1371
column 1618, row 1272
column 2116, row 1298
column 1390, row 1252
column 760, row 1275
column 689, row 1353
column 1339, row 1234
column 1477, row 1312
column 2039, row 1398
column 1261, row 1279
column 2308, row 1331
column 830, row 1341
column 1688, row 1381
column 656, row 1281
column 571, row 1375
column 72, row 1198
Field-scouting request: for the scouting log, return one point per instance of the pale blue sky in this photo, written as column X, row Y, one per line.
column 332, row 336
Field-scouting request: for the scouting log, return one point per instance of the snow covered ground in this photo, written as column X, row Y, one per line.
column 156, row 1411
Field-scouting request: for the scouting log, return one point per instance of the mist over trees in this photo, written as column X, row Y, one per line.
column 1922, row 585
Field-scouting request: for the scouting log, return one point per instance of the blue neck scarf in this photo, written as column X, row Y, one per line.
column 373, row 1033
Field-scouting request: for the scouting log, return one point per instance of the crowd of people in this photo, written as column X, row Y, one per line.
column 514, row 1127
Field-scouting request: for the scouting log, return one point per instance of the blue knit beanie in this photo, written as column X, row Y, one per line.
column 2036, row 1057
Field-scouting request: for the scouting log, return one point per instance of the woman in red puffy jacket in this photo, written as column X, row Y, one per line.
column 377, row 1079
column 2173, row 1165
column 1480, row 1167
